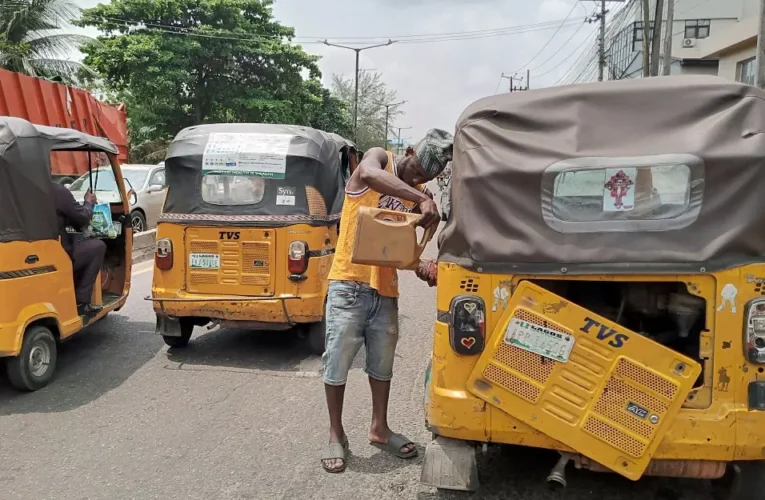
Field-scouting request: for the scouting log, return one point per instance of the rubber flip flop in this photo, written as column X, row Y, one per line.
column 394, row 445
column 335, row 451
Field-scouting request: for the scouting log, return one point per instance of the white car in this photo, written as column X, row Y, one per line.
column 147, row 181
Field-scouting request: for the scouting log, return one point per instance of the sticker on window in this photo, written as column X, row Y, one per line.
column 250, row 154
column 649, row 193
column 619, row 192
column 285, row 195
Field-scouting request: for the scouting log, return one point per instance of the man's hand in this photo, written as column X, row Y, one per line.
column 90, row 197
column 430, row 216
column 427, row 192
column 428, row 271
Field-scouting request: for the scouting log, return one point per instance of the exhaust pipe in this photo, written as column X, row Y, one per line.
column 557, row 478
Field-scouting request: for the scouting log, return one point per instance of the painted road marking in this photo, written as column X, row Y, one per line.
column 143, row 268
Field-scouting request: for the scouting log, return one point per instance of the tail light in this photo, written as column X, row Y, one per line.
column 297, row 260
column 467, row 324
column 163, row 256
column 754, row 331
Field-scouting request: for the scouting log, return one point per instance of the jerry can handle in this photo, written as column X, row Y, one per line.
column 426, row 237
column 386, row 219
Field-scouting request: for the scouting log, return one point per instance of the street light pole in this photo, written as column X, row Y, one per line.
column 398, row 149
column 387, row 116
column 357, row 50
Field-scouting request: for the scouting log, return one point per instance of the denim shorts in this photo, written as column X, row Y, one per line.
column 357, row 314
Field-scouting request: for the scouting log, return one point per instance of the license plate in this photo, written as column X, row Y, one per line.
column 204, row 261
column 539, row 340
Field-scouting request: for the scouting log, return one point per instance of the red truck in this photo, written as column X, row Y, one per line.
column 46, row 103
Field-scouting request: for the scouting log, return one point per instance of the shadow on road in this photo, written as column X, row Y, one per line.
column 510, row 473
column 276, row 351
column 93, row 362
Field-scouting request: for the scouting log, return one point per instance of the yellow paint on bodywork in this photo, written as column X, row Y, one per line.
column 308, row 307
column 714, row 422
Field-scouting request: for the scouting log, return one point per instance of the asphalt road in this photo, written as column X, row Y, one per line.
column 241, row 415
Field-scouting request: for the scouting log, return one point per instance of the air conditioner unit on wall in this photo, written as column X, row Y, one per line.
column 689, row 42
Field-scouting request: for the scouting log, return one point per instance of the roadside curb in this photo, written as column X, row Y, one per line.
column 143, row 246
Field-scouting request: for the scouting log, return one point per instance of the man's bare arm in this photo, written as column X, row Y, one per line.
column 372, row 174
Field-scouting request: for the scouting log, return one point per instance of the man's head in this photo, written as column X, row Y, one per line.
column 427, row 159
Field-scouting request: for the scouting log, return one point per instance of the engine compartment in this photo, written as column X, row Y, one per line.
column 664, row 312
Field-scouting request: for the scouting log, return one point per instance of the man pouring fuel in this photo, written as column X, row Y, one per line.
column 362, row 301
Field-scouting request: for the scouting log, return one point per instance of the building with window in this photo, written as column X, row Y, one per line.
column 735, row 49
column 701, row 32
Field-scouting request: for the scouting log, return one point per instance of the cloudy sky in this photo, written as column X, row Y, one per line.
column 440, row 79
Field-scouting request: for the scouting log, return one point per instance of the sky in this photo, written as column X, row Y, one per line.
column 439, row 80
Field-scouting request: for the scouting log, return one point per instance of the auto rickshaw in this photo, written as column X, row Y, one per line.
column 249, row 228
column 601, row 284
column 38, row 307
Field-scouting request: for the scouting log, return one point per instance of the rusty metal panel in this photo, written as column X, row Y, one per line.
column 47, row 103
column 605, row 391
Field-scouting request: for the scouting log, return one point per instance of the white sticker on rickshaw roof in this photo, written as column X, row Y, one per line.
column 285, row 195
column 261, row 155
column 619, row 190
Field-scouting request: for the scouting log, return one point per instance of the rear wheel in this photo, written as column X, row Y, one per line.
column 743, row 481
column 316, row 332
column 138, row 221
column 187, row 328
column 33, row 368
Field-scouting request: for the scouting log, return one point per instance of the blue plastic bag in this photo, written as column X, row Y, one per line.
column 101, row 225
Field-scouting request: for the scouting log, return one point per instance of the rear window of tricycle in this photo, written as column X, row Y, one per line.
column 232, row 190
column 648, row 194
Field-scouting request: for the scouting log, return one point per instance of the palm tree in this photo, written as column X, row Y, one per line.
column 32, row 40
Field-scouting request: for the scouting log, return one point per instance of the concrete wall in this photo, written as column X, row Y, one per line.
column 143, row 246
column 728, row 68
column 722, row 14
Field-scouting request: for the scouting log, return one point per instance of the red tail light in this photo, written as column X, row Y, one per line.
column 297, row 260
column 467, row 324
column 163, row 256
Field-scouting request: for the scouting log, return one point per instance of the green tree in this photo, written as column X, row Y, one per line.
column 179, row 63
column 373, row 93
column 32, row 40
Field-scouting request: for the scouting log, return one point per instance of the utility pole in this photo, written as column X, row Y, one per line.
column 358, row 51
column 646, row 38
column 667, row 68
column 761, row 48
column 387, row 116
column 656, row 42
column 398, row 146
column 602, row 41
column 513, row 79
column 601, row 16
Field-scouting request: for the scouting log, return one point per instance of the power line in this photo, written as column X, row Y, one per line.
column 563, row 45
column 548, row 41
column 576, row 50
column 581, row 69
column 422, row 38
column 579, row 60
column 458, row 33
column 490, row 35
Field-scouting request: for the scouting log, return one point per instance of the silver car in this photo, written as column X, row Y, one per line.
column 147, row 181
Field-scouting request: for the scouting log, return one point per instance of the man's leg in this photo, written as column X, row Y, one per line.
column 381, row 335
column 346, row 314
column 87, row 261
